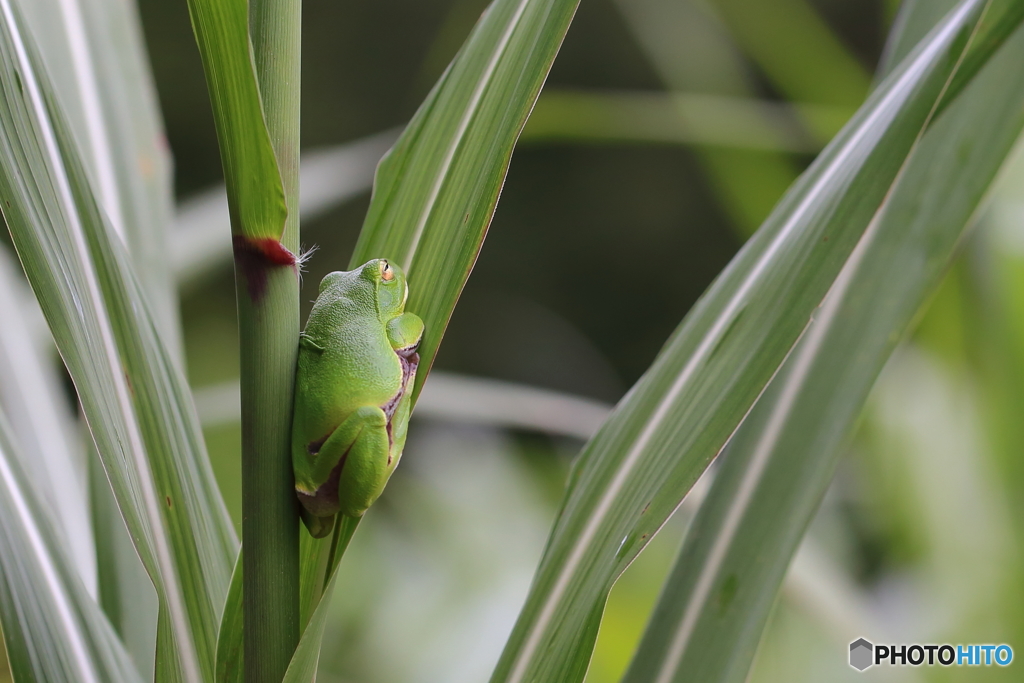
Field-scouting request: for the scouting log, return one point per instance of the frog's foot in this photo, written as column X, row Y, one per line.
column 324, row 501
column 319, row 527
column 320, row 506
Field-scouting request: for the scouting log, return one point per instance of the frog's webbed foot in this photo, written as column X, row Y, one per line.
column 320, row 507
column 319, row 527
column 324, row 501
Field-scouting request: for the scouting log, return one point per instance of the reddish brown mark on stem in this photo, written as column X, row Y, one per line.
column 254, row 256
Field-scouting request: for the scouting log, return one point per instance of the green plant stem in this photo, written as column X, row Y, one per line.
column 268, row 328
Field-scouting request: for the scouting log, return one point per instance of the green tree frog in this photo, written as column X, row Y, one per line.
column 357, row 362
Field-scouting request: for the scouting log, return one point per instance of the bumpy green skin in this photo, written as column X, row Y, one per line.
column 356, row 367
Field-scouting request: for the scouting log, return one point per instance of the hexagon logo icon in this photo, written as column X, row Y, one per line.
column 860, row 654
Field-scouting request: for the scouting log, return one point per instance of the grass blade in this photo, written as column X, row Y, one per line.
column 436, row 190
column 134, row 397
column 912, row 23
column 230, row 646
column 777, row 467
column 126, row 592
column 660, row 438
column 53, row 629
column 95, row 55
column 38, row 411
column 140, row 157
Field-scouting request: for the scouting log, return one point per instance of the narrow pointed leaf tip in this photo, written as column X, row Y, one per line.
column 255, row 190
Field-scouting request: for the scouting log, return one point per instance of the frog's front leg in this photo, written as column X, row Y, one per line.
column 348, row 471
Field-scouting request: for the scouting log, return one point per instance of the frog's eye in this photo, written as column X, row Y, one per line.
column 386, row 273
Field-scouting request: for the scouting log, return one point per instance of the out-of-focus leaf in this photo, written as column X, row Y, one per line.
column 459, row 398
column 796, row 50
column 913, row 21
column 36, row 405
column 255, row 193
column 692, row 51
column 230, row 647
column 777, row 467
column 999, row 20
column 436, row 190
column 94, row 54
column 134, row 397
column 660, row 438
column 681, row 118
column 53, row 629
column 125, row 591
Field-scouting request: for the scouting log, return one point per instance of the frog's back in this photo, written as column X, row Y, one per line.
column 345, row 360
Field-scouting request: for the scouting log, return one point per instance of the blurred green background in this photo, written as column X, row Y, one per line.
column 666, row 132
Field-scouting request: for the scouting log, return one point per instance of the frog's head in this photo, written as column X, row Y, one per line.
column 376, row 284
column 390, row 288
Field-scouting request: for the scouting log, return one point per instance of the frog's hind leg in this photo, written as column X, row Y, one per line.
column 352, row 465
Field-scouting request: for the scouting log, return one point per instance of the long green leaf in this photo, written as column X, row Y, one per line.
column 777, row 467
column 134, row 398
column 32, row 397
column 796, row 50
column 125, row 591
column 660, row 438
column 436, row 190
column 95, row 56
column 230, row 648
column 94, row 53
column 255, row 192
column 53, row 629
